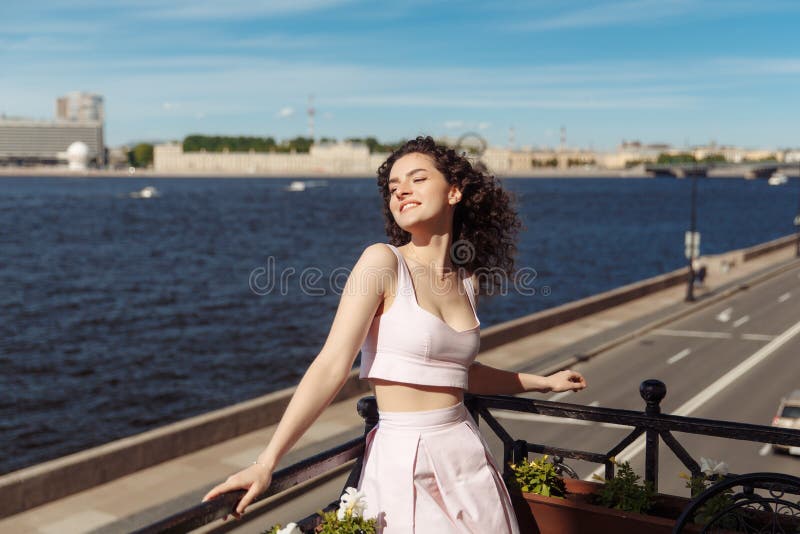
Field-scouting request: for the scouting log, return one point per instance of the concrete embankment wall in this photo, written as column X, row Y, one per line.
column 39, row 484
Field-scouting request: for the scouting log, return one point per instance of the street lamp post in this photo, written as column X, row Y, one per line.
column 691, row 241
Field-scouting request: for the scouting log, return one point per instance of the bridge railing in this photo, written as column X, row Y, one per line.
column 650, row 424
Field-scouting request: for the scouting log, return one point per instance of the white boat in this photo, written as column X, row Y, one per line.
column 146, row 192
column 297, row 185
column 777, row 178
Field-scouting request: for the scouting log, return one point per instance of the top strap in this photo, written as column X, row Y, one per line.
column 471, row 294
column 404, row 286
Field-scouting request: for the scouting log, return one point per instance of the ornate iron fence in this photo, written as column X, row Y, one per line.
column 651, row 424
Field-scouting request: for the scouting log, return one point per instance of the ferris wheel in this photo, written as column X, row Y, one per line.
column 472, row 144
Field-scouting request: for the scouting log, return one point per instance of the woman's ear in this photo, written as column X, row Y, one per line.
column 454, row 196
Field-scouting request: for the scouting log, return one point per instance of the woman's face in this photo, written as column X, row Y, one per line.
column 419, row 192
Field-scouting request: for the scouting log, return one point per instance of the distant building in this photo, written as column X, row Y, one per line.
column 337, row 159
column 81, row 107
column 79, row 119
column 791, row 156
column 630, row 153
column 30, row 142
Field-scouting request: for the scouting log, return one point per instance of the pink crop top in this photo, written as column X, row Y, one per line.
column 409, row 344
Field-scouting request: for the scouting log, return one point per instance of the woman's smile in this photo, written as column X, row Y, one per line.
column 408, row 206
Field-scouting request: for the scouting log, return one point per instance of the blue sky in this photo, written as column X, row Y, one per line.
column 675, row 71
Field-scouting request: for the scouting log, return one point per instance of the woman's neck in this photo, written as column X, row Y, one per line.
column 433, row 254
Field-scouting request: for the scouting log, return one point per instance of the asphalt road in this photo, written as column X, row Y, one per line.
column 689, row 356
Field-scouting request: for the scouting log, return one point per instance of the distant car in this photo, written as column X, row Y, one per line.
column 788, row 416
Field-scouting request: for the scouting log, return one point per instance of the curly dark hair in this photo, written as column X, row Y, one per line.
column 485, row 222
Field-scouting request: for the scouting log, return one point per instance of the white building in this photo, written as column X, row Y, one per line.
column 24, row 141
column 81, row 107
column 339, row 159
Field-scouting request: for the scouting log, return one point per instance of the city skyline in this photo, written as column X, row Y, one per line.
column 674, row 71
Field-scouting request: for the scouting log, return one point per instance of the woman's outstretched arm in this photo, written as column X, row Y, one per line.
column 485, row 380
column 326, row 375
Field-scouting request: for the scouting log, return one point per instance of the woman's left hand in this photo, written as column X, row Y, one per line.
column 566, row 380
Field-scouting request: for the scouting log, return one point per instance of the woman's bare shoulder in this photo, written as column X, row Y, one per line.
column 377, row 256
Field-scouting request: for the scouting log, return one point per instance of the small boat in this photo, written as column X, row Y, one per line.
column 297, row 185
column 777, row 178
column 146, row 192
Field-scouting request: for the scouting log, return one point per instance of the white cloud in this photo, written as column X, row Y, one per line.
column 451, row 125
column 614, row 13
column 284, row 113
column 484, row 125
column 278, row 41
column 760, row 65
column 236, row 9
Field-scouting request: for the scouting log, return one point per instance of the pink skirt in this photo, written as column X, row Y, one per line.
column 432, row 472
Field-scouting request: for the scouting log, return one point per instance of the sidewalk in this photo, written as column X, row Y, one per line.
column 138, row 499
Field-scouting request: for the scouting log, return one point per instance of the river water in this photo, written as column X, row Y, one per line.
column 121, row 314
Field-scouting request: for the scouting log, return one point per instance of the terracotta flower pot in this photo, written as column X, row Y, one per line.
column 577, row 514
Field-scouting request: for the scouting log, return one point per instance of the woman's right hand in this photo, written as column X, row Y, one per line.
column 255, row 479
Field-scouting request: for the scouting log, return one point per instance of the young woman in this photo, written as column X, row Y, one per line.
column 411, row 308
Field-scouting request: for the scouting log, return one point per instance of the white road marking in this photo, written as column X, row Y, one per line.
column 784, row 297
column 739, row 322
column 692, row 333
column 708, row 393
column 765, row 450
column 725, row 315
column 538, row 418
column 757, row 337
column 678, row 357
column 559, row 396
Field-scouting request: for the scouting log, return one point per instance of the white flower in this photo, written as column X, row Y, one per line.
column 711, row 467
column 291, row 528
column 353, row 503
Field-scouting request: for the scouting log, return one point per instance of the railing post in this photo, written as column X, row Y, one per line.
column 653, row 392
column 471, row 404
column 367, row 408
column 520, row 451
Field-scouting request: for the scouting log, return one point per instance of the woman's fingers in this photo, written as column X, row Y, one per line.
column 569, row 380
column 217, row 490
column 575, row 378
column 247, row 479
column 248, row 498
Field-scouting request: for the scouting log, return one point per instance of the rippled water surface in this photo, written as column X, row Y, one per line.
column 118, row 315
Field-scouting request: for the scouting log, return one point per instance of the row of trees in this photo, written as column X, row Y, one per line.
column 374, row 145
column 687, row 157
column 141, row 155
column 220, row 143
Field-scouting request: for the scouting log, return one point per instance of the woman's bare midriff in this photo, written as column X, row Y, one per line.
column 399, row 397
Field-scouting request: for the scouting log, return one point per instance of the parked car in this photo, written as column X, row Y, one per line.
column 788, row 416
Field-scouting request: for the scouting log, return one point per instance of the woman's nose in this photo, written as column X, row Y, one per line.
column 402, row 190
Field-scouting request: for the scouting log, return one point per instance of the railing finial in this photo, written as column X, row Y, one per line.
column 367, row 408
column 653, row 392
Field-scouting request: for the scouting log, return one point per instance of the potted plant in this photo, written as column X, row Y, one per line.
column 622, row 504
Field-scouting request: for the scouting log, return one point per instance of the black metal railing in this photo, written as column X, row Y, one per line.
column 283, row 480
column 651, row 424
